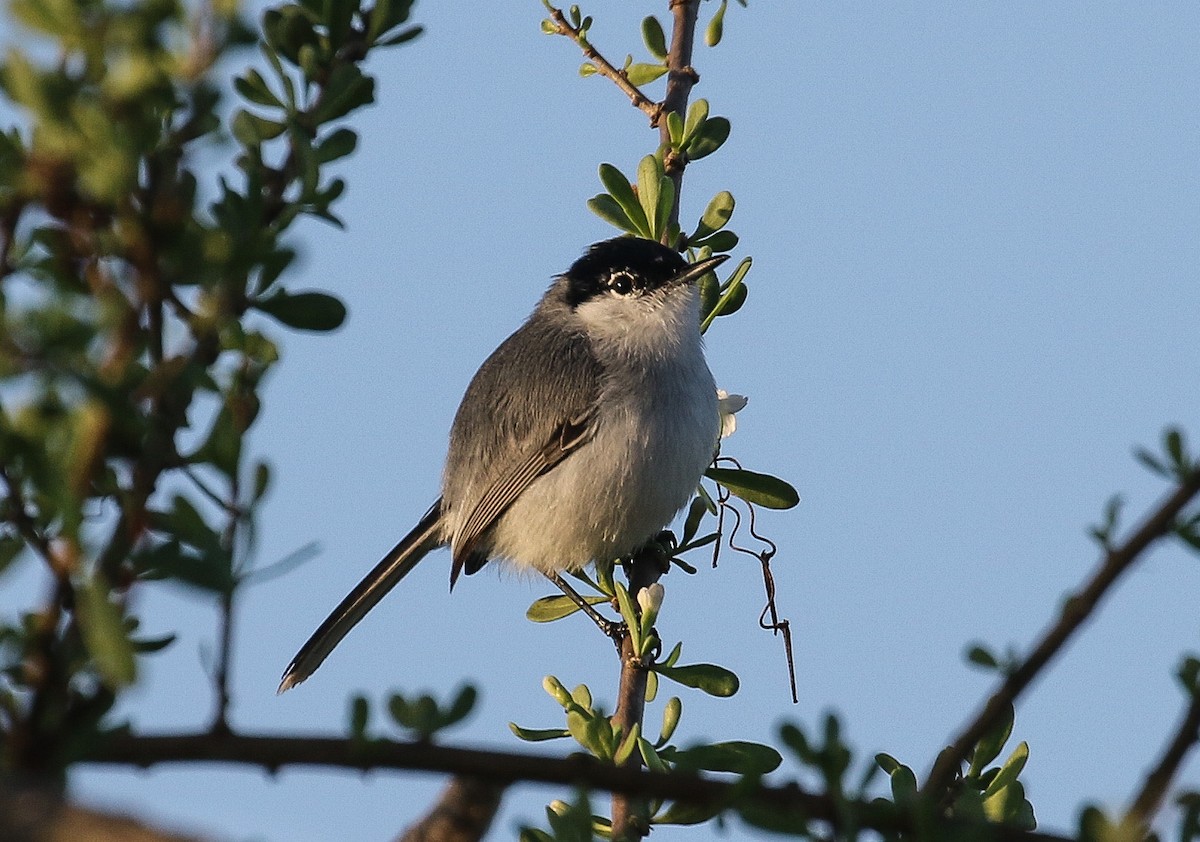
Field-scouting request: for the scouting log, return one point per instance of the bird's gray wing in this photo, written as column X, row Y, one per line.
column 530, row 406
column 567, row 438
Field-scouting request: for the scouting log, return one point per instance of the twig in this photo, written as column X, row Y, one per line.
column 653, row 110
column 1076, row 609
column 21, row 519
column 629, row 820
column 275, row 752
column 463, row 813
column 681, row 76
column 1155, row 787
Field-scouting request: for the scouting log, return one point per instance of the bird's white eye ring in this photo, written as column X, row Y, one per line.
column 621, row 282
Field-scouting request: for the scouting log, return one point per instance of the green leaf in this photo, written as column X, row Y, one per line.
column 760, row 489
column 691, row 525
column 697, row 114
column 547, row 609
column 316, row 311
column 684, row 813
column 716, row 27
column 169, row 560
column 1189, row 675
column 625, row 604
column 262, row 480
column 346, row 90
column 989, row 746
column 980, row 656
column 104, row 634
column 714, row 302
column 223, row 447
column 462, row 705
column 904, row 785
column 672, row 712
column 582, row 696
column 251, row 130
column 666, row 203
column 673, row 656
column 588, row 69
column 887, row 763
column 606, row 207
column 640, row 73
column 654, row 37
column 710, row 137
column 186, row 523
column 649, row 179
column 273, row 264
column 650, row 757
column 625, row 749
column 651, row 686
column 1010, row 771
column 675, row 128
column 621, row 190
column 743, row 758
column 254, row 87
column 402, row 37
column 716, row 215
column 1151, row 461
column 722, row 241
column 710, row 678
column 150, row 645
column 537, row 735
column 338, row 144
column 1173, row 444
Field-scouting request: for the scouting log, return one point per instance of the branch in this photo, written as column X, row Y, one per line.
column 31, row 813
column 629, row 819
column 274, row 752
column 653, row 110
column 1149, row 800
column 1074, row 612
column 463, row 813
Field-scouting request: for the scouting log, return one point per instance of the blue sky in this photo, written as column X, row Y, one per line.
column 974, row 229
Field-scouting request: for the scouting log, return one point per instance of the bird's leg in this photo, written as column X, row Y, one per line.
column 614, row 630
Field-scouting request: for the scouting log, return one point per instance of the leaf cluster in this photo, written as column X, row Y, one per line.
column 131, row 358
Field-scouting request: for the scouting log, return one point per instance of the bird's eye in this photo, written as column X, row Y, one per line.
column 621, row 283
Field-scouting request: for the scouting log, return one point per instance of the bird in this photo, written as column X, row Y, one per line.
column 579, row 438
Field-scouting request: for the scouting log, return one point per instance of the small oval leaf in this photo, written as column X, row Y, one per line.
column 711, row 136
column 712, row 679
column 640, row 73
column 551, row 608
column 716, row 26
column 316, row 311
column 654, row 37
column 537, row 735
column 760, row 489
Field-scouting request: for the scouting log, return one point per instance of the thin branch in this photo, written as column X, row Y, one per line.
column 629, row 819
column 681, row 76
column 22, row 520
column 1155, row 787
column 275, row 752
column 464, row 813
column 653, row 110
column 1075, row 611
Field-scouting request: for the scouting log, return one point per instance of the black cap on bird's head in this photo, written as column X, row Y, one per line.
column 631, row 266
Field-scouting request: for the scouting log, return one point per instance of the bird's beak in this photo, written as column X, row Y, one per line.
column 696, row 271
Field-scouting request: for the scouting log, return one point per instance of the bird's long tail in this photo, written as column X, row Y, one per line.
column 425, row 537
